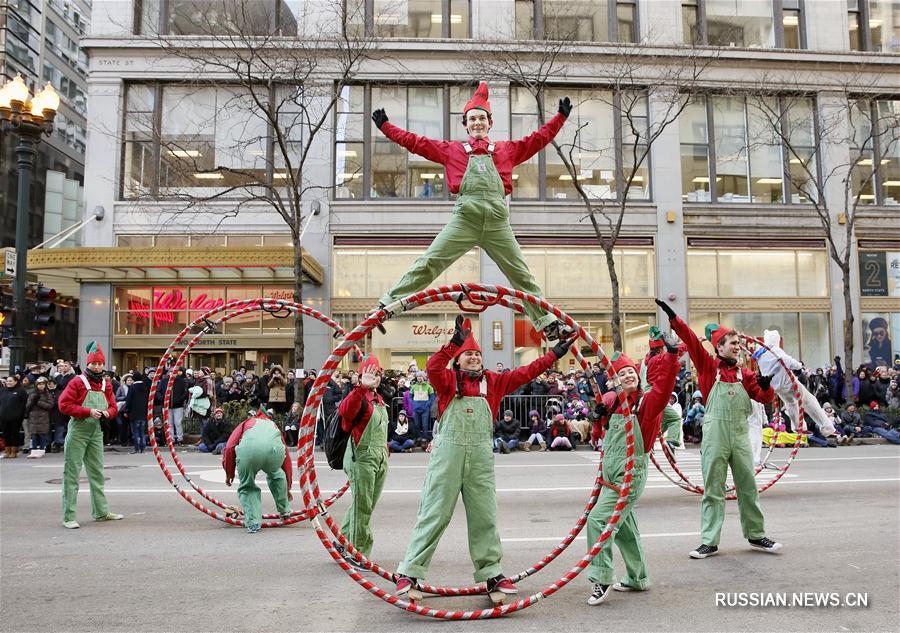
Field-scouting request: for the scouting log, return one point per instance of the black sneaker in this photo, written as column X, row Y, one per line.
column 599, row 594
column 705, row 551
column 765, row 544
column 557, row 330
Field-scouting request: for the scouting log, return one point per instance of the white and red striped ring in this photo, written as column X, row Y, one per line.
column 595, row 493
column 239, row 307
column 311, row 488
column 690, row 486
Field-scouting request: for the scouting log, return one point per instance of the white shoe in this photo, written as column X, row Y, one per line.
column 111, row 516
column 72, row 525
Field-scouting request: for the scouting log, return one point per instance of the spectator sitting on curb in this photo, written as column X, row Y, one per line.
column 874, row 421
column 558, row 434
column 214, row 434
column 401, row 435
column 538, row 431
column 506, row 433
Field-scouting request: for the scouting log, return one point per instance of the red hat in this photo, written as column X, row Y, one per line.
column 715, row 333
column 656, row 339
column 620, row 361
column 469, row 343
column 369, row 362
column 479, row 99
column 94, row 354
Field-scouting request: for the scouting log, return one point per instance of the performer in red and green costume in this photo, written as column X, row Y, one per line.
column 462, row 458
column 647, row 407
column 727, row 390
column 670, row 428
column 479, row 171
column 87, row 399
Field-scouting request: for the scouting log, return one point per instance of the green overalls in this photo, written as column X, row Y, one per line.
column 480, row 218
column 462, row 461
column 366, row 466
column 726, row 442
column 671, row 424
column 84, row 445
column 625, row 534
column 261, row 449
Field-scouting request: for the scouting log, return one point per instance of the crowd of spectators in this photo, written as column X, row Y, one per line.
column 553, row 412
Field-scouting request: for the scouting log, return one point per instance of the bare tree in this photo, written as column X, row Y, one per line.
column 644, row 89
column 836, row 155
column 272, row 85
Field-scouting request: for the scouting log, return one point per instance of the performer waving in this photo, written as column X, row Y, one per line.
column 727, row 391
column 661, row 370
column 480, row 172
column 462, row 459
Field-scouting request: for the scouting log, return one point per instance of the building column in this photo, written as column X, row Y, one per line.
column 833, row 107
column 95, row 320
column 671, row 246
column 105, row 106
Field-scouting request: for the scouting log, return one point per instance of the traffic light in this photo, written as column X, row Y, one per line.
column 44, row 306
column 7, row 325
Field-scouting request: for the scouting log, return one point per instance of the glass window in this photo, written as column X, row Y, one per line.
column 205, row 298
column 426, row 118
column 459, row 19
column 638, row 270
column 626, row 18
column 790, row 19
column 553, row 270
column 246, row 323
column 412, row 18
column 787, row 323
column 766, row 161
column 731, row 149
column 815, row 343
column 693, row 128
column 702, row 274
column 812, row 274
column 889, row 167
column 169, row 310
column 280, row 322
column 690, row 24
column 576, row 20
column 171, row 240
column 244, row 240
column 524, row 19
column 278, row 240
column 634, row 333
column 205, row 241
column 593, row 152
column 132, row 312
column 220, row 17
column 134, row 241
column 524, row 121
column 757, row 273
column 740, row 23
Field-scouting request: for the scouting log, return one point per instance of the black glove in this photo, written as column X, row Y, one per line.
column 379, row 117
column 764, row 382
column 459, row 333
column 563, row 346
column 670, row 343
column 565, row 107
column 665, row 308
column 600, row 411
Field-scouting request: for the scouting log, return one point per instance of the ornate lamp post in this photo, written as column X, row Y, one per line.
column 28, row 118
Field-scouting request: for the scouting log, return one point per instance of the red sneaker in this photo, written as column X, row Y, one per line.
column 404, row 584
column 503, row 585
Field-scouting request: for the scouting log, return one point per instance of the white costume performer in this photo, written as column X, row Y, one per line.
column 755, row 424
column 781, row 382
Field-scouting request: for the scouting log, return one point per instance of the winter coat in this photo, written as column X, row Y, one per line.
column 57, row 418
column 401, row 432
column 214, row 432
column 277, row 391
column 12, row 404
column 199, row 402
column 507, row 430
column 333, row 395
column 137, row 399
column 38, row 407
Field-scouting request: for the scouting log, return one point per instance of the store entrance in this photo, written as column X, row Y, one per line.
column 219, row 362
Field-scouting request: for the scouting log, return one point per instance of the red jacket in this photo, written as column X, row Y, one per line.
column 498, row 385
column 452, row 155
column 707, row 365
column 228, row 455
column 73, row 395
column 350, row 406
column 662, row 370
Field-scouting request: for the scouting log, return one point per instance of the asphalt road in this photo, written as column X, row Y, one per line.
column 168, row 567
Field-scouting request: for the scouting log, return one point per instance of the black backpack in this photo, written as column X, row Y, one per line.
column 336, row 438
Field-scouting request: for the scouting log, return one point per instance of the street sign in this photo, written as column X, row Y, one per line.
column 9, row 266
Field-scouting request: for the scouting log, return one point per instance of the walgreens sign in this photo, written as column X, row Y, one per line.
column 167, row 302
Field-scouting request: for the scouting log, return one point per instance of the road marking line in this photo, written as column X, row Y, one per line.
column 582, row 536
column 418, row 490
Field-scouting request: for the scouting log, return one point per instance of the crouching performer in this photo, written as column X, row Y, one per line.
column 462, row 459
column 661, row 370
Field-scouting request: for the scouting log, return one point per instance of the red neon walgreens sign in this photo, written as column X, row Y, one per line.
column 167, row 301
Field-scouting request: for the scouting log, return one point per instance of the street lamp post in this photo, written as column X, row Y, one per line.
column 28, row 118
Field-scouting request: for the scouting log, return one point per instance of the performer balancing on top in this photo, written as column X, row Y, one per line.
column 462, row 458
column 480, row 172
column 727, row 390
